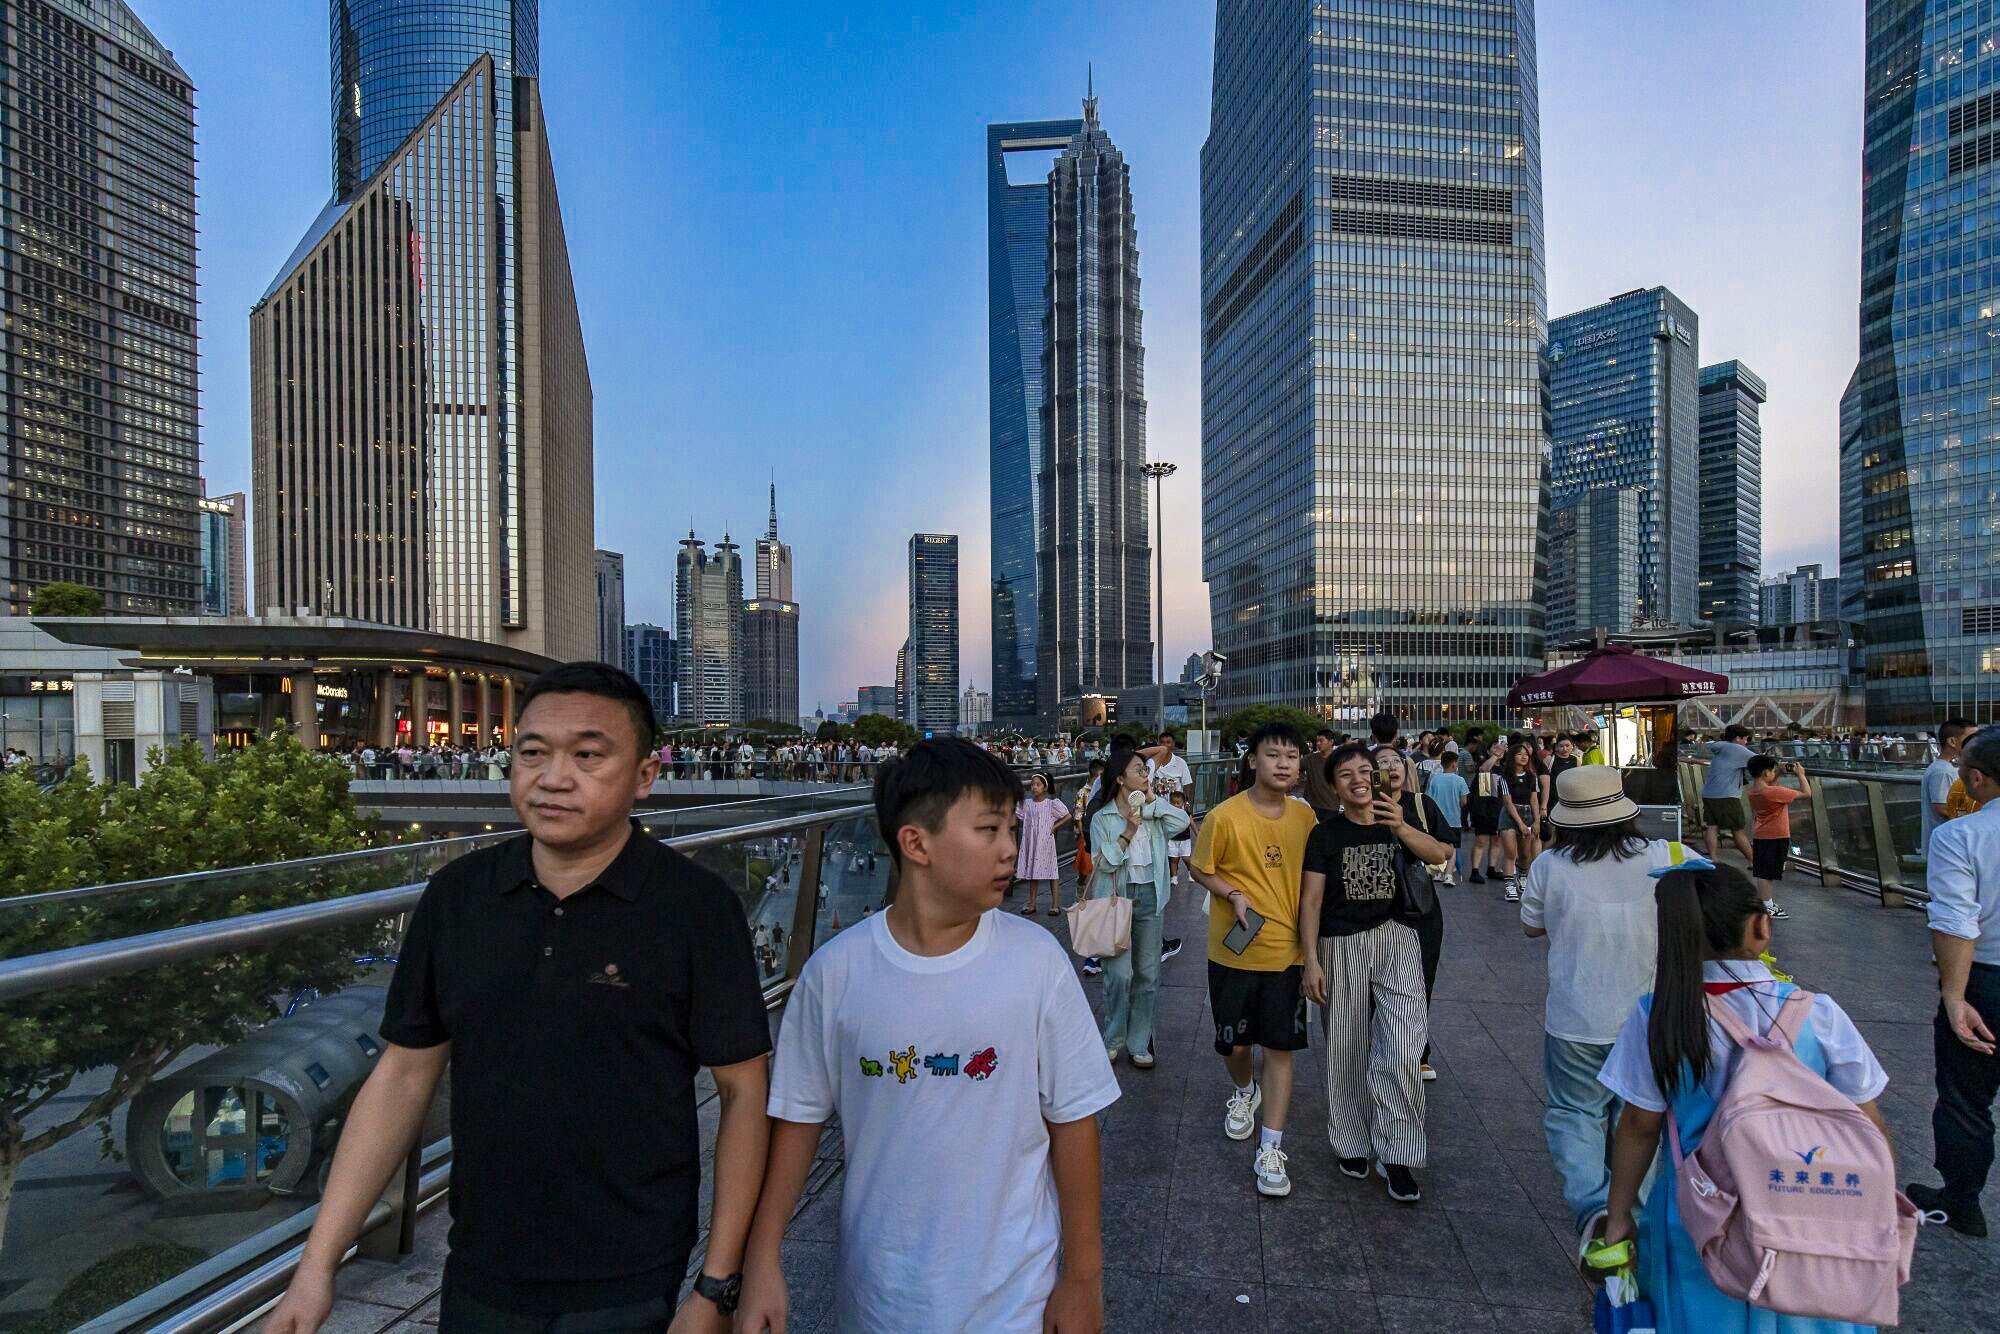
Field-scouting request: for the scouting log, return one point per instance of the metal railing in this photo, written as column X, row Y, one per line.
column 801, row 880
column 1858, row 829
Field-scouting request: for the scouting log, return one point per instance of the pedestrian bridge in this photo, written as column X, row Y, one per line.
column 1189, row 1244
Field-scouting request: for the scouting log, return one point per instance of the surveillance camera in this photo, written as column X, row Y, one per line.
column 1219, row 659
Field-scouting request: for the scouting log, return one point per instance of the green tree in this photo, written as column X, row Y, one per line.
column 831, row 731
column 66, row 599
column 875, row 729
column 271, row 801
column 1243, row 722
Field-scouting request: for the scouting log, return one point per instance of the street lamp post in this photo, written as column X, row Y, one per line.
column 1159, row 471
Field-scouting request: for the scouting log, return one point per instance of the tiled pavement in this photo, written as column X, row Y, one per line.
column 1191, row 1247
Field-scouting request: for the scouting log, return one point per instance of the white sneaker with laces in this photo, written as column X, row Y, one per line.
column 1240, row 1115
column 1272, row 1179
column 1513, row 891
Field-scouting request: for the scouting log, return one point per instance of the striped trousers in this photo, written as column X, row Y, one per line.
column 1375, row 1033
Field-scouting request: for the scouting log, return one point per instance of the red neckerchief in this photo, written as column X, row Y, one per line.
column 1724, row 988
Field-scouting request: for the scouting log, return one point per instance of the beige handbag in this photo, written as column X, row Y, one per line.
column 1100, row 927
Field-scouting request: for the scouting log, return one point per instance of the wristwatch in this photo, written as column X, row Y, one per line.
column 724, row 1292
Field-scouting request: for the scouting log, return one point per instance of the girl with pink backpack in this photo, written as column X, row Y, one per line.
column 1754, row 1212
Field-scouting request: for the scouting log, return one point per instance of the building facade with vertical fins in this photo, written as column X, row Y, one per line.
column 708, row 631
column 1093, row 552
column 421, row 448
column 98, row 376
column 771, row 632
column 1731, row 506
column 655, row 666
column 1017, row 255
column 224, row 579
column 1374, row 314
column 610, row 571
column 1920, row 423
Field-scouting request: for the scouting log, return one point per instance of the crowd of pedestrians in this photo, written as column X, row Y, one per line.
column 955, row 1047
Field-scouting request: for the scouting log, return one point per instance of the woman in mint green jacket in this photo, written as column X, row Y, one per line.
column 1129, row 829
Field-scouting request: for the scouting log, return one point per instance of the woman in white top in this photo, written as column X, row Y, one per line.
column 1592, row 898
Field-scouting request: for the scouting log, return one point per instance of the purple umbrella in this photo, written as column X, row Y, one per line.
column 1614, row 674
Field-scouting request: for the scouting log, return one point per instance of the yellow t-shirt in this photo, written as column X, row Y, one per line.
column 1265, row 859
column 1959, row 802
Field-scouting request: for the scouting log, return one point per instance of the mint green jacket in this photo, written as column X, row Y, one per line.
column 1159, row 821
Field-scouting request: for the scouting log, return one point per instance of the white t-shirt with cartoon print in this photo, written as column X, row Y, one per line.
column 942, row 1071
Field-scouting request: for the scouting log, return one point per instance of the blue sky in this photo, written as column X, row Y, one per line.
column 777, row 221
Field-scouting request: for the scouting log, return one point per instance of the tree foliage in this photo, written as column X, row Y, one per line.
column 271, row 801
column 67, row 599
column 1234, row 727
column 876, row 729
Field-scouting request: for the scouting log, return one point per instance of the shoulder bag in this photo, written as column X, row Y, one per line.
column 1416, row 890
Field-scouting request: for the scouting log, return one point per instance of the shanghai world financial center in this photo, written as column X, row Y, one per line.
column 1374, row 408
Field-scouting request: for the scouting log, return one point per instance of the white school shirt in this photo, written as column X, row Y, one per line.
column 1603, row 927
column 1850, row 1066
column 1964, row 881
column 943, row 1071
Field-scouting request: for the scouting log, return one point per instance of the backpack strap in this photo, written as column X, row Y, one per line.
column 1794, row 1016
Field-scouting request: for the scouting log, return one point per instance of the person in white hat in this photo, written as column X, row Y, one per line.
column 1592, row 898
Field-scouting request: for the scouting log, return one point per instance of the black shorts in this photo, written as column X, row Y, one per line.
column 1252, row 1009
column 1486, row 818
column 1768, row 857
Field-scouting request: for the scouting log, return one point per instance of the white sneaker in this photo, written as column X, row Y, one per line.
column 1240, row 1116
column 1513, row 891
column 1272, row 1179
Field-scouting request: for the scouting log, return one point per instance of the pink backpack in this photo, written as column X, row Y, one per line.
column 1791, row 1199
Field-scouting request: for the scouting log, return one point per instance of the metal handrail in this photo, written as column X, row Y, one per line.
column 57, row 969
column 358, row 854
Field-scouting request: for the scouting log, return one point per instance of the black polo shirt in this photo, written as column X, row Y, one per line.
column 576, row 1028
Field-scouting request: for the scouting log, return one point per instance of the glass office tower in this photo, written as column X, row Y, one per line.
column 1623, row 388
column 1095, row 557
column 98, row 381
column 1732, row 492
column 929, row 665
column 1017, row 274
column 1920, row 437
column 1374, row 421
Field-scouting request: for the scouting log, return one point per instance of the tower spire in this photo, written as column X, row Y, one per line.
column 773, row 533
column 1090, row 95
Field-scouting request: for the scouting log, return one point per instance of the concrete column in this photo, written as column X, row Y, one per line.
column 420, row 707
column 507, row 707
column 482, row 706
column 385, row 709
column 456, row 695
column 305, row 710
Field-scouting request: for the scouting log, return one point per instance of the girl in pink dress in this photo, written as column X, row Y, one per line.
column 1040, row 816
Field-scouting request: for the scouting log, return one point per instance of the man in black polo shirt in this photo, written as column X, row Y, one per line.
column 575, row 979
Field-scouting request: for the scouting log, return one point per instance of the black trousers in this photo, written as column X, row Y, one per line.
column 1430, row 946
column 465, row 1309
column 1962, row 1121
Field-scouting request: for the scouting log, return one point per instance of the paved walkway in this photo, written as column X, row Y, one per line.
column 1190, row 1246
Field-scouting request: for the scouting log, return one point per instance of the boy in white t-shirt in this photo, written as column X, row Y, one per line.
column 956, row 1045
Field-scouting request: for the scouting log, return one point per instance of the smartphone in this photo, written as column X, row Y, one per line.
column 1381, row 783
column 1240, row 936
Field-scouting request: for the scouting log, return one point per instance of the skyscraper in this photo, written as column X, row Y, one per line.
column 1731, row 491
column 1374, row 311
column 98, row 379
column 420, row 397
column 771, row 660
column 774, row 559
column 1093, row 551
column 654, row 664
column 1803, row 594
column 1623, row 393
column 1017, row 272
column 708, row 625
column 611, row 609
column 223, row 580
column 1920, row 439
column 1593, row 581
column 933, row 644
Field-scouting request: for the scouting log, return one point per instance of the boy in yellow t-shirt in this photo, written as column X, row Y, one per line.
column 1250, row 857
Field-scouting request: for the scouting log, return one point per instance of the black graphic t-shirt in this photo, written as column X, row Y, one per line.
column 1359, row 863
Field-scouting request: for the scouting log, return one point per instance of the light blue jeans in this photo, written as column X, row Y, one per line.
column 1578, row 1121
column 1132, row 979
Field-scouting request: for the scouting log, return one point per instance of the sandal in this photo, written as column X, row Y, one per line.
column 1028, row 911
column 1055, row 910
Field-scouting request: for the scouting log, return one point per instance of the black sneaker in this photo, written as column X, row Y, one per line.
column 1169, row 948
column 1475, row 879
column 1403, row 1187
column 1091, row 967
column 1967, row 1218
column 1354, row 1167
